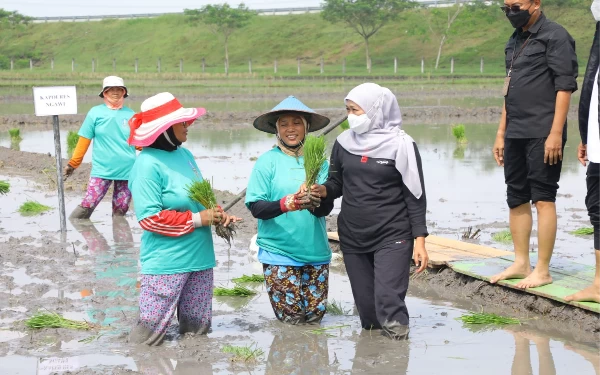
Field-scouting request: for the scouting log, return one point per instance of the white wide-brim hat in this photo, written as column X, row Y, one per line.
column 159, row 113
column 113, row 81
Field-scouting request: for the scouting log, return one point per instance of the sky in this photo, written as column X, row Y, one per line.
column 55, row 8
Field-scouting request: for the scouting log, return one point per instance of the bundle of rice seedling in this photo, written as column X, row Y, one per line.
column 32, row 208
column 254, row 278
column 236, row 291
column 583, row 231
column 459, row 133
column 503, row 237
column 485, row 318
column 72, row 139
column 4, row 187
column 336, row 308
column 314, row 157
column 53, row 320
column 15, row 134
column 202, row 192
column 244, row 353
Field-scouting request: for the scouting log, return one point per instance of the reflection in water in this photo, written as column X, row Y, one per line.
column 156, row 365
column 116, row 267
column 376, row 354
column 294, row 353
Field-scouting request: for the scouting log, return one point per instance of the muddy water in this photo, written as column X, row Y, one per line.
column 95, row 278
column 464, row 185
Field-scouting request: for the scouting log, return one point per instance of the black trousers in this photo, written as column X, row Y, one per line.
column 528, row 178
column 592, row 200
column 379, row 281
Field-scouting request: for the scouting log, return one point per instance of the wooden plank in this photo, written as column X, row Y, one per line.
column 562, row 285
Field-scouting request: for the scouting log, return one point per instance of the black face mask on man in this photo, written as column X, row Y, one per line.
column 518, row 19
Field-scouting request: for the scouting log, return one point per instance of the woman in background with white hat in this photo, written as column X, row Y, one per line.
column 177, row 253
column 112, row 158
column 292, row 241
column 376, row 166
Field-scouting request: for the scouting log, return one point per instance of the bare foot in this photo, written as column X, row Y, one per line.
column 516, row 271
column 591, row 294
column 534, row 280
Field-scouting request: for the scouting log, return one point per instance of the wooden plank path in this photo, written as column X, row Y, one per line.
column 482, row 262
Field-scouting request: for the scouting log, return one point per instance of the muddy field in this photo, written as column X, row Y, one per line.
column 93, row 277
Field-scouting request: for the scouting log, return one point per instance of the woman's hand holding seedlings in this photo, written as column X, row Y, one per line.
column 217, row 216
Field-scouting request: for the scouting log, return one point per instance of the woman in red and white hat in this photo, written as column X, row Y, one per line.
column 177, row 253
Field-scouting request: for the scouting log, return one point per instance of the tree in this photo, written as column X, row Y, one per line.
column 446, row 28
column 366, row 17
column 13, row 18
column 223, row 20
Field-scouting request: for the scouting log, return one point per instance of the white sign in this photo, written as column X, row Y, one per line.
column 55, row 100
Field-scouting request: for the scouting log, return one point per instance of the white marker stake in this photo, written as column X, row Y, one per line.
column 55, row 101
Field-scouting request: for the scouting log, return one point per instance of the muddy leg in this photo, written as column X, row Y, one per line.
column 159, row 297
column 283, row 287
column 361, row 272
column 592, row 202
column 392, row 268
column 520, row 227
column 97, row 189
column 195, row 305
column 546, row 237
column 315, row 286
column 121, row 198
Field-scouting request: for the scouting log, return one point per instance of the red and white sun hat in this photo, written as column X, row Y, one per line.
column 159, row 113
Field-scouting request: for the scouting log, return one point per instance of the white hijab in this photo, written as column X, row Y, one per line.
column 385, row 138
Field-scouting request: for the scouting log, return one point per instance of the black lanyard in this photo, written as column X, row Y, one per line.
column 518, row 54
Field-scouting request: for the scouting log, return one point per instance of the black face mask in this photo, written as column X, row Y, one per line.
column 518, row 19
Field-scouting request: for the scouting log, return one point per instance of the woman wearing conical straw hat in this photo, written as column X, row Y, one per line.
column 112, row 158
column 292, row 240
column 177, row 253
column 376, row 167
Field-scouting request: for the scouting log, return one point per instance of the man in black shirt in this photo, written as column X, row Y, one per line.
column 541, row 68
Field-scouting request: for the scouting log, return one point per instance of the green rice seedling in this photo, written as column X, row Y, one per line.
column 202, row 192
column 583, row 231
column 345, row 125
column 502, row 237
column 459, row 133
column 485, row 318
column 243, row 353
column 15, row 134
column 314, row 157
column 72, row 139
column 54, row 320
column 236, row 291
column 4, row 187
column 335, row 308
column 32, row 208
column 254, row 278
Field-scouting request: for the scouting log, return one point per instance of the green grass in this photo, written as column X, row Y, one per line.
column 502, row 237
column 486, row 318
column 236, row 291
column 72, row 139
column 15, row 134
column 583, row 231
column 32, row 208
column 54, row 320
column 243, row 353
column 314, row 157
column 344, row 125
column 459, row 133
column 336, row 308
column 4, row 187
column 477, row 32
column 254, row 278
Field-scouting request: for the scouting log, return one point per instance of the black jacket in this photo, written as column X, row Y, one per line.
column 588, row 85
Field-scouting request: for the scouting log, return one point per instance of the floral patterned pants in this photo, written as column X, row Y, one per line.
column 97, row 189
column 297, row 294
column 160, row 295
